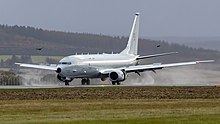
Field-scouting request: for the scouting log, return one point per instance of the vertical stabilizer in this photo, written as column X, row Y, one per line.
column 132, row 46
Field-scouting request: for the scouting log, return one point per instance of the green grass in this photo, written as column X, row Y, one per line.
column 5, row 57
column 181, row 111
column 38, row 59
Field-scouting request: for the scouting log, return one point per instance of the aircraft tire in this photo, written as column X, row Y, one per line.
column 83, row 81
column 113, row 82
column 118, row 83
column 87, row 81
column 67, row 83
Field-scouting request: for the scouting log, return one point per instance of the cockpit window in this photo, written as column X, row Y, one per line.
column 65, row 63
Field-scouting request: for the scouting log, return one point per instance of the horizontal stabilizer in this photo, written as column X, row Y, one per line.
column 155, row 55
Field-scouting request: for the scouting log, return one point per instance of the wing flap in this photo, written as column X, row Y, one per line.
column 46, row 67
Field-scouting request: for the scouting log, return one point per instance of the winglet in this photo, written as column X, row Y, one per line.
column 137, row 13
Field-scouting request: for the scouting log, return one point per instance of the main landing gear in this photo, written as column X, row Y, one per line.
column 85, row 81
column 116, row 82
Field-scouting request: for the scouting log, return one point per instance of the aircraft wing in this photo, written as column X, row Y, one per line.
column 141, row 68
column 46, row 67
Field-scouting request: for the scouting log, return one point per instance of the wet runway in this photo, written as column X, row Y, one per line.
column 49, row 86
column 78, row 86
column 62, row 86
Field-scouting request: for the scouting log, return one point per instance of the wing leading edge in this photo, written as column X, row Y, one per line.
column 53, row 68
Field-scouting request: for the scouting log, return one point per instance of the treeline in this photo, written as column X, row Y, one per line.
column 23, row 40
column 10, row 78
column 10, row 62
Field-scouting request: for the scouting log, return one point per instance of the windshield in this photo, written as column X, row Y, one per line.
column 65, row 63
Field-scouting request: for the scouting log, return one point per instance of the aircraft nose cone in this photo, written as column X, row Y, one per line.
column 58, row 70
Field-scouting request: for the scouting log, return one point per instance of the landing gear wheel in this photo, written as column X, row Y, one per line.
column 116, row 82
column 88, row 82
column 67, row 83
column 85, row 82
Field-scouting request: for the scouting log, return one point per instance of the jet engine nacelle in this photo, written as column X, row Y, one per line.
column 117, row 75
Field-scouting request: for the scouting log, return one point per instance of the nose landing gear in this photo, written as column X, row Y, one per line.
column 116, row 82
column 85, row 81
column 67, row 83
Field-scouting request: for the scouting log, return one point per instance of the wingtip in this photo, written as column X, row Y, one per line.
column 205, row 61
column 137, row 13
column 17, row 63
column 174, row 52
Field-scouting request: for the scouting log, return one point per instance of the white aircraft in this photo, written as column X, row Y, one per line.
column 114, row 67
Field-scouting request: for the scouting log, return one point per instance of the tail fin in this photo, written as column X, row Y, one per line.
column 132, row 45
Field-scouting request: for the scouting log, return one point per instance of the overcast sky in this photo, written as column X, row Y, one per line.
column 115, row 17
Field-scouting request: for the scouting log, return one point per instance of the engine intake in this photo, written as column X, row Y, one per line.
column 117, row 75
column 58, row 70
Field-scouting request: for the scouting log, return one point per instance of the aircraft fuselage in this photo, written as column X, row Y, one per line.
column 88, row 66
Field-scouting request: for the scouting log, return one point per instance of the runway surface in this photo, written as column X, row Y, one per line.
column 26, row 87
column 77, row 86
column 63, row 86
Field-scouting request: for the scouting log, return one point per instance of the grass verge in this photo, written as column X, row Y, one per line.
column 93, row 111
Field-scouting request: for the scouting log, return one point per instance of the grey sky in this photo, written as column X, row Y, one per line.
column 115, row 17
